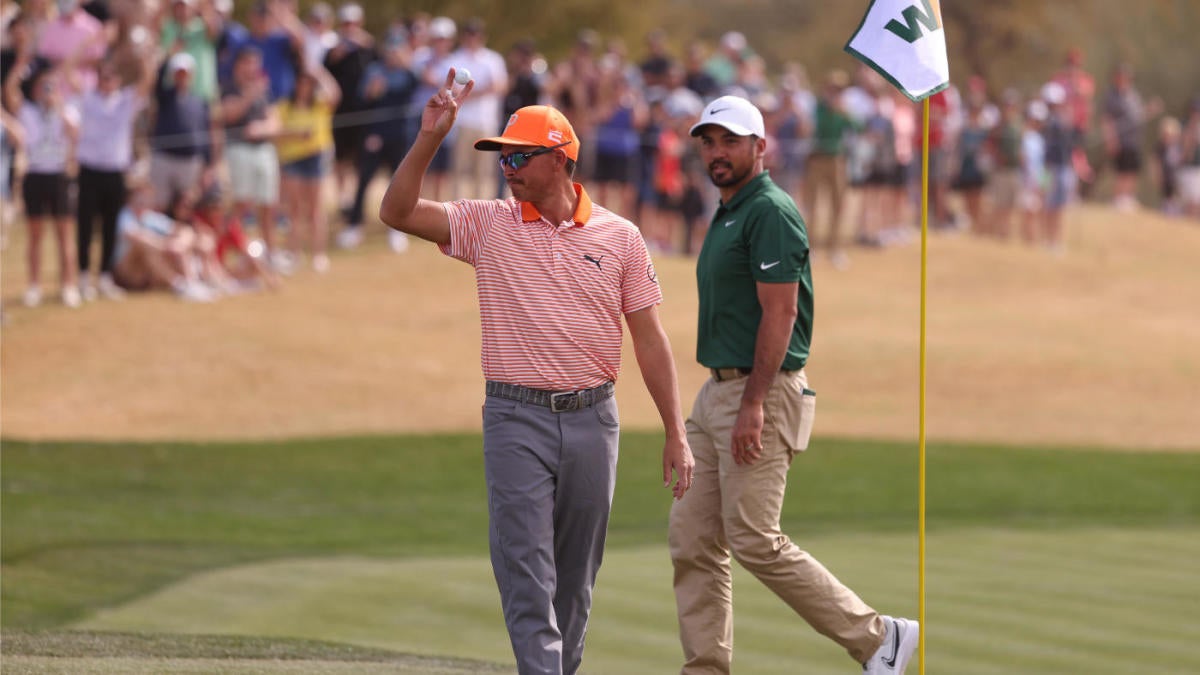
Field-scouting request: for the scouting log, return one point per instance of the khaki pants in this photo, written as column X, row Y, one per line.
column 734, row 509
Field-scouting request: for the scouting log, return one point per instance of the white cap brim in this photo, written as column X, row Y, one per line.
column 733, row 113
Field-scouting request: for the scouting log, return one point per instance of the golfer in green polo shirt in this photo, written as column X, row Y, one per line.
column 754, row 414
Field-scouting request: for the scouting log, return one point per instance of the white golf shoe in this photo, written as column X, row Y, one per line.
column 897, row 649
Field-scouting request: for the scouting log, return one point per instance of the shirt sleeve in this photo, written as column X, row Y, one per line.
column 778, row 246
column 470, row 220
column 639, row 282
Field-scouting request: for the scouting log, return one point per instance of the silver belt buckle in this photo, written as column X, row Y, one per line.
column 564, row 401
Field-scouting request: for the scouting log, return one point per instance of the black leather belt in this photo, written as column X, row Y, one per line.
column 556, row 401
column 723, row 374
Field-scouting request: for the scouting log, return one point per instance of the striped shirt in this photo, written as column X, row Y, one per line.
column 551, row 298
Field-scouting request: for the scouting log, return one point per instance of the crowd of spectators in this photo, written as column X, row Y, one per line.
column 216, row 156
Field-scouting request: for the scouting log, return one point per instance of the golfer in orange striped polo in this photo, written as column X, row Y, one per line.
column 556, row 274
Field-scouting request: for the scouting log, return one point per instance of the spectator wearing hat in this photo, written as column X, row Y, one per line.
column 430, row 64
column 193, row 29
column 556, row 274
column 319, row 35
column 480, row 114
column 1033, row 169
column 104, row 153
column 387, row 91
column 181, row 147
column 347, row 61
column 724, row 65
column 1060, row 140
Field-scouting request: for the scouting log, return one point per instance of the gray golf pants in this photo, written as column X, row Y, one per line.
column 550, row 479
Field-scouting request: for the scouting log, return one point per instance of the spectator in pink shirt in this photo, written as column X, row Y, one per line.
column 74, row 31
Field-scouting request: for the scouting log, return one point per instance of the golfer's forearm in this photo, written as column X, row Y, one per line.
column 653, row 353
column 770, row 347
column 402, row 194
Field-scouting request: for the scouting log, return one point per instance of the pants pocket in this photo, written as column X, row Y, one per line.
column 808, row 411
column 791, row 409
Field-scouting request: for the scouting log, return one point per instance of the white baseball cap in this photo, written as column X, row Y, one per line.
column 735, row 114
column 350, row 13
column 181, row 61
column 442, row 28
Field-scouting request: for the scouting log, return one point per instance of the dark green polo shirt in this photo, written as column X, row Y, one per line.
column 758, row 236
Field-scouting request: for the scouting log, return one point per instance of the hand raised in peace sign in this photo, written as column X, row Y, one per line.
column 442, row 108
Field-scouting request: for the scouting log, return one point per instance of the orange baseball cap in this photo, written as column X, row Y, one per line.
column 537, row 125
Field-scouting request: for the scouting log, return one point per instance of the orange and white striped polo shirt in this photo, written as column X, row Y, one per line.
column 552, row 297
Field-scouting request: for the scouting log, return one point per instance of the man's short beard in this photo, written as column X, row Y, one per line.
column 734, row 178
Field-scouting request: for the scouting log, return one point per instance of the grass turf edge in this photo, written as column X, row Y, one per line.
column 103, row 644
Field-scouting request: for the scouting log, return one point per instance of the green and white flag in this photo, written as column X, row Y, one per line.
column 904, row 41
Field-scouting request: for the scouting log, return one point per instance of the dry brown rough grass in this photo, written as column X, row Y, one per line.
column 1098, row 347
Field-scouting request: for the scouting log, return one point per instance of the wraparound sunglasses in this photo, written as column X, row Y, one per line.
column 516, row 160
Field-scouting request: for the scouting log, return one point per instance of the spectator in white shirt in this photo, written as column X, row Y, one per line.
column 479, row 115
column 105, row 153
column 51, row 127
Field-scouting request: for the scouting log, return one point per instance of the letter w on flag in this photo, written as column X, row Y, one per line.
column 903, row 40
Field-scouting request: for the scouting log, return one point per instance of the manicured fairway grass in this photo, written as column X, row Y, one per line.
column 1037, row 557
column 1000, row 601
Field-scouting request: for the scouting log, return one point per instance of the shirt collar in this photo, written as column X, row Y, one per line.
column 583, row 210
column 752, row 186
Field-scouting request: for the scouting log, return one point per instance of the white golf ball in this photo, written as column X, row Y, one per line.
column 462, row 75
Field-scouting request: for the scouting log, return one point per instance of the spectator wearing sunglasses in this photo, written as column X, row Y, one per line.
column 555, row 273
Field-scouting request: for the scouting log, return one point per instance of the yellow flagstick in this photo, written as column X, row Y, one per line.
column 921, row 414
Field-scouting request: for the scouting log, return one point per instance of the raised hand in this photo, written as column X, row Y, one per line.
column 442, row 108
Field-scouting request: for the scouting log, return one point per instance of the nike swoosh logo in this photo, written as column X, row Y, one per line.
column 714, row 111
column 891, row 663
column 765, row 266
column 730, row 222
